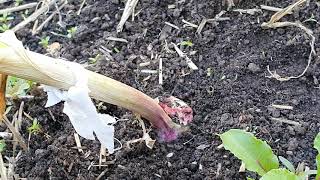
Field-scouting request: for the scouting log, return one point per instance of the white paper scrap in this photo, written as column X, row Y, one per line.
column 81, row 111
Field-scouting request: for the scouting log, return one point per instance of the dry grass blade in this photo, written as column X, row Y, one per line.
column 15, row 133
column 45, row 22
column 278, row 15
column 128, row 10
column 312, row 51
column 278, row 106
column 3, row 169
column 18, row 8
column 273, row 23
column 78, row 142
column 34, row 16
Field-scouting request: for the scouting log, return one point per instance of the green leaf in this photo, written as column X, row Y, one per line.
column 249, row 178
column 279, row 174
column 2, row 145
column 256, row 154
column 287, row 164
column 186, row 43
column 17, row 87
column 316, row 145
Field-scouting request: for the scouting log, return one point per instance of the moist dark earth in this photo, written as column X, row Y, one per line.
column 230, row 90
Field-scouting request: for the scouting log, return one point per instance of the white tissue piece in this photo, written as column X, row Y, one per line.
column 81, row 111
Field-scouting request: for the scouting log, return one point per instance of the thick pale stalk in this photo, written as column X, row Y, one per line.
column 56, row 73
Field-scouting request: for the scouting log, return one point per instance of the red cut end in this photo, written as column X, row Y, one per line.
column 176, row 107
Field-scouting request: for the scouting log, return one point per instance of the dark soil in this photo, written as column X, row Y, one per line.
column 230, row 89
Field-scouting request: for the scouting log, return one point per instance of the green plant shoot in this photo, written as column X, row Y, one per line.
column 316, row 145
column 256, row 154
column 71, row 32
column 187, row 43
column 35, row 128
column 5, row 18
column 18, row 2
column 44, row 42
column 94, row 59
column 4, row 27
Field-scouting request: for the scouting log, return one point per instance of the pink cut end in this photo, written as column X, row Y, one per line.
column 176, row 107
column 168, row 135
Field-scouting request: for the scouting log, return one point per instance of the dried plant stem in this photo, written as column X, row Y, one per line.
column 18, row 8
column 44, row 23
column 34, row 16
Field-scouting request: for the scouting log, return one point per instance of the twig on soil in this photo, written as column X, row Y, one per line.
column 218, row 169
column 18, row 8
column 78, row 143
column 81, row 6
column 205, row 21
column 12, row 162
column 248, row 11
column 149, row 71
column 270, row 8
column 312, row 51
column 286, row 121
column 117, row 39
column 34, row 16
column 183, row 55
column 172, row 25
column 15, row 133
column 128, row 10
column 4, row 1
column 102, row 156
column 3, row 169
column 273, row 23
column 189, row 24
column 102, row 174
column 160, row 72
column 45, row 22
column 282, row 107
column 145, row 137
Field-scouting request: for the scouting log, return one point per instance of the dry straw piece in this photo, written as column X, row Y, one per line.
column 16, row 61
column 273, row 23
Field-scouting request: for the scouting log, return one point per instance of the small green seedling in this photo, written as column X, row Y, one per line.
column 311, row 19
column 258, row 157
column 44, row 42
column 5, row 18
column 18, row 2
column 71, row 32
column 35, row 128
column 17, row 87
column 4, row 27
column 186, row 43
column 94, row 59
